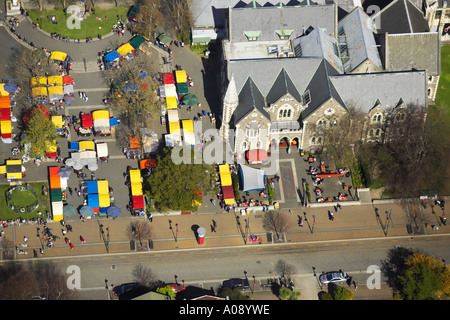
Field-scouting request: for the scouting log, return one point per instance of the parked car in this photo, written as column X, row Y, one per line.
column 236, row 283
column 125, row 287
column 333, row 277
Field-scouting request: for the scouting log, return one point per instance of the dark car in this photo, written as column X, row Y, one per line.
column 333, row 277
column 125, row 287
column 236, row 283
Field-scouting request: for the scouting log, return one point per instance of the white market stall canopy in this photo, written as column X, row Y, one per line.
column 252, row 179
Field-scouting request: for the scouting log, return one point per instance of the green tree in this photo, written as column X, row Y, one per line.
column 288, row 294
column 39, row 130
column 168, row 291
column 336, row 292
column 233, row 294
column 420, row 283
column 176, row 186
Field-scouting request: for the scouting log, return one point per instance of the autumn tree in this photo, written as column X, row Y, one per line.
column 39, row 130
column 179, row 17
column 149, row 18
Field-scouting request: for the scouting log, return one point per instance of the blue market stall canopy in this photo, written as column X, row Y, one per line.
column 111, row 56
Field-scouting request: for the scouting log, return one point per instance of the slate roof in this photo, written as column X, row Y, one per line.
column 363, row 90
column 321, row 89
column 400, row 16
column 359, row 37
column 282, row 85
column 250, row 98
column 269, row 19
column 420, row 51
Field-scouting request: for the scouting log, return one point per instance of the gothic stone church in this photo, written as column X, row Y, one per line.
column 288, row 71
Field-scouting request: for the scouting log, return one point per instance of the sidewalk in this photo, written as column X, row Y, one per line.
column 352, row 222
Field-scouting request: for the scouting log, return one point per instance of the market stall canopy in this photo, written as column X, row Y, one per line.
column 87, row 211
column 138, row 202
column 137, row 41
column 3, row 92
column 5, row 114
column 69, row 210
column 174, row 127
column 58, row 55
column 111, row 56
column 190, row 99
column 103, row 200
column 92, row 186
column 57, row 210
column 68, row 98
column 113, row 211
column 102, row 149
column 182, row 88
column 228, row 194
column 100, row 114
column 180, row 76
column 5, row 126
column 124, row 49
column 147, row 163
column 170, row 90
column 55, row 80
column 102, row 186
column 67, row 80
column 257, row 155
column 86, row 145
column 68, row 89
column 165, row 38
column 55, row 182
column 86, row 120
column 57, row 121
column 39, row 91
column 10, row 87
column 4, row 101
column 135, row 176
column 58, row 90
column 171, row 102
column 64, row 172
column 39, row 80
column 172, row 115
column 134, row 143
column 252, row 179
column 168, row 78
column 136, row 189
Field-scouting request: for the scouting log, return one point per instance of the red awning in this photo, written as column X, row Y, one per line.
column 257, row 155
column 228, row 192
column 168, row 78
column 67, row 80
column 138, row 202
column 86, row 120
column 5, row 114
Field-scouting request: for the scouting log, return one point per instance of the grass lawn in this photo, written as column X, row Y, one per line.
column 6, row 213
column 89, row 27
column 443, row 92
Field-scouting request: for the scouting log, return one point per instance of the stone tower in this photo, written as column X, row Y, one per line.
column 230, row 103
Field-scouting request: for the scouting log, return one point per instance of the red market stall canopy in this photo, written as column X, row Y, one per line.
column 168, row 78
column 329, row 175
column 87, row 121
column 138, row 202
column 257, row 155
column 228, row 194
column 147, row 163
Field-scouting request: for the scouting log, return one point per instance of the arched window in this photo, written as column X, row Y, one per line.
column 319, row 140
column 377, row 133
column 313, row 140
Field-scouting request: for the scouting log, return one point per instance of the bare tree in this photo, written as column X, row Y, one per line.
column 178, row 14
column 149, row 18
column 139, row 231
column 144, row 276
column 275, row 222
column 285, row 270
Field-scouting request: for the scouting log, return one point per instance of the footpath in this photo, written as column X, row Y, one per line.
column 351, row 223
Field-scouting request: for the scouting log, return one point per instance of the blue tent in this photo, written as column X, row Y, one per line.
column 111, row 56
column 92, row 187
column 113, row 122
column 113, row 211
column 92, row 200
column 74, row 145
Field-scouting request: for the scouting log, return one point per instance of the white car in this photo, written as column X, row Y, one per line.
column 333, row 277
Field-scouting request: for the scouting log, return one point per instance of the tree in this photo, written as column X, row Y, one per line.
column 149, row 18
column 144, row 276
column 288, row 294
column 275, row 222
column 176, row 186
column 415, row 275
column 284, row 269
column 39, row 130
column 168, row 291
column 233, row 294
column 178, row 15
column 139, row 231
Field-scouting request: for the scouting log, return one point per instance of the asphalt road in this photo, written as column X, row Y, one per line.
column 207, row 268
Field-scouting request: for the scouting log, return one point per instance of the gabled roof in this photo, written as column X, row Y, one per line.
column 318, row 44
column 250, row 98
column 400, row 16
column 359, row 38
column 321, row 89
column 282, row 85
column 363, row 90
